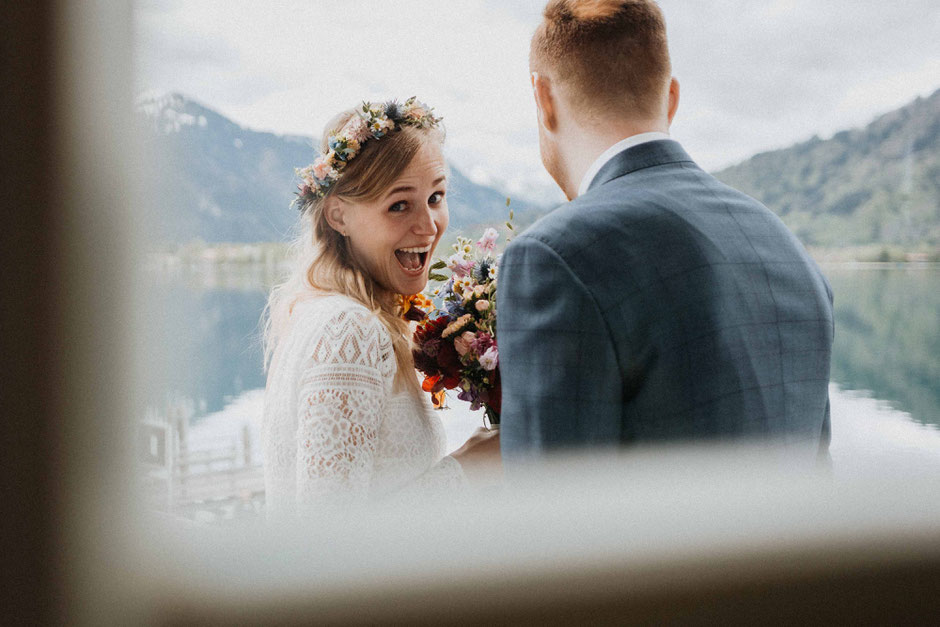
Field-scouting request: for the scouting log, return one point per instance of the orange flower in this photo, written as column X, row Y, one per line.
column 415, row 307
column 430, row 382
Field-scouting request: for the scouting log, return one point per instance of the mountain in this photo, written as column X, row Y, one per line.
column 875, row 185
column 220, row 182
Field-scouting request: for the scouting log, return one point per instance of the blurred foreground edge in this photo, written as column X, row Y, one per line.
column 677, row 535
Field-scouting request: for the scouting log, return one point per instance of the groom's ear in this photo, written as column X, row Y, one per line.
column 545, row 101
column 673, row 99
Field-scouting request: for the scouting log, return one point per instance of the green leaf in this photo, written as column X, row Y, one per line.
column 508, row 200
column 510, row 226
column 510, row 214
column 436, row 277
column 439, row 264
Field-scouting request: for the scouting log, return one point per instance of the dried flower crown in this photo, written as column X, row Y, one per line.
column 372, row 121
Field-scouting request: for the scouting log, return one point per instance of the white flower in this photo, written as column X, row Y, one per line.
column 490, row 359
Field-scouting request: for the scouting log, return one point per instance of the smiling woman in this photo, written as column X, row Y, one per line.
column 345, row 422
column 355, row 216
column 392, row 237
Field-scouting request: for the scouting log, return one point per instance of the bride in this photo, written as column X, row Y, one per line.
column 345, row 421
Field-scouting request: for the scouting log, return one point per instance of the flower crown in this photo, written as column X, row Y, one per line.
column 372, row 121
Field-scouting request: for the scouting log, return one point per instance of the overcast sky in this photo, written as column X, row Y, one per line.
column 755, row 74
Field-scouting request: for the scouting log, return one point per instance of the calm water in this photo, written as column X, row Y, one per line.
column 888, row 336
column 886, row 363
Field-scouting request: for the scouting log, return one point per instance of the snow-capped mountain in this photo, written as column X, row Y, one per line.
column 217, row 181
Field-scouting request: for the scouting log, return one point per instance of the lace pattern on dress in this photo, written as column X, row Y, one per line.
column 335, row 435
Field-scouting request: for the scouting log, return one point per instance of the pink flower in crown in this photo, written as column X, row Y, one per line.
column 487, row 243
column 306, row 174
column 356, row 129
column 417, row 112
column 322, row 167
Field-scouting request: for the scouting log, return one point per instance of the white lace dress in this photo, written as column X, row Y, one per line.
column 334, row 433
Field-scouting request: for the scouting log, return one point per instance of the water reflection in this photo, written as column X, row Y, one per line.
column 209, row 325
column 887, row 342
column 888, row 335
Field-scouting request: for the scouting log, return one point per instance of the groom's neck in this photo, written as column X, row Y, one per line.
column 586, row 144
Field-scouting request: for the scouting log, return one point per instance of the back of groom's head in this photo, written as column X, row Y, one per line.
column 610, row 57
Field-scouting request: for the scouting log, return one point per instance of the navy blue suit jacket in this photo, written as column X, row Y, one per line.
column 661, row 305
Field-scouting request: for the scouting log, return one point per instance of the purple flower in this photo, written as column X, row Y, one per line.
column 472, row 397
column 454, row 309
column 482, row 342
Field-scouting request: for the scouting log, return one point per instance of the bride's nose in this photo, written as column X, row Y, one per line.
column 424, row 223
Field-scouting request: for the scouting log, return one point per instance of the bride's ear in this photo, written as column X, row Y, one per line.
column 335, row 214
column 544, row 101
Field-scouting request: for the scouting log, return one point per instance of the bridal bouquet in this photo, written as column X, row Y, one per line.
column 455, row 347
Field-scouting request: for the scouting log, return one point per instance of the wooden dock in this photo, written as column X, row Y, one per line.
column 204, row 485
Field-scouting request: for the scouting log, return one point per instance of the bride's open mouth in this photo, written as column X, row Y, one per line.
column 413, row 260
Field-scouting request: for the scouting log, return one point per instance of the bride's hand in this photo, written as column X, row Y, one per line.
column 480, row 459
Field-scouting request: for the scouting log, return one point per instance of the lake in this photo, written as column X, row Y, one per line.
column 885, row 367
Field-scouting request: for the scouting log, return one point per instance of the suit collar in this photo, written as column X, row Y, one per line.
column 646, row 155
column 613, row 151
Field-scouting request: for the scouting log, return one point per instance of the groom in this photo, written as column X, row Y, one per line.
column 658, row 304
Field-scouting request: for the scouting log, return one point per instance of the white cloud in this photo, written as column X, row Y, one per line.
column 755, row 75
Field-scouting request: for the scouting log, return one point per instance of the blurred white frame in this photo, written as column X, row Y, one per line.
column 697, row 535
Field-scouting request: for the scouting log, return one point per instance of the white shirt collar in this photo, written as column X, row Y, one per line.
column 616, row 149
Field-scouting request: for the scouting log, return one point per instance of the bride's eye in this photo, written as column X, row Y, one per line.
column 398, row 207
column 436, row 198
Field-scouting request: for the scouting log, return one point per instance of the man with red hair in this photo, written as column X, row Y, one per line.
column 658, row 304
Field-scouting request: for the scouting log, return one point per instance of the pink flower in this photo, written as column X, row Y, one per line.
column 459, row 266
column 490, row 359
column 483, row 341
column 488, row 241
column 482, row 305
column 356, row 129
column 322, row 167
column 462, row 342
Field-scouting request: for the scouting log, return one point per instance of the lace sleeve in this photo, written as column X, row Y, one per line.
column 344, row 384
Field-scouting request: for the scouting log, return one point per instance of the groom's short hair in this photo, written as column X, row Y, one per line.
column 611, row 56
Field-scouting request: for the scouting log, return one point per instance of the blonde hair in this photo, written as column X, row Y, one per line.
column 321, row 259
